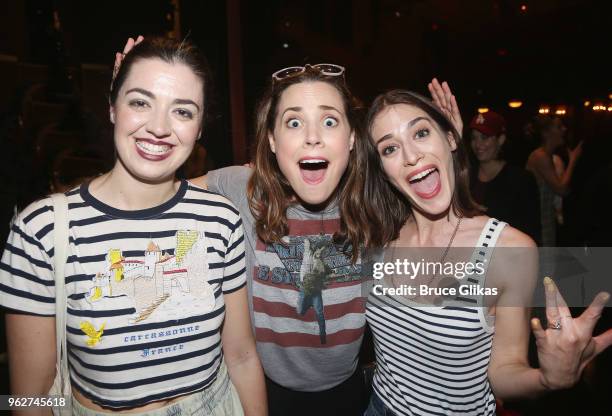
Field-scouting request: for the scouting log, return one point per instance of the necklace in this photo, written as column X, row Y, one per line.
column 442, row 258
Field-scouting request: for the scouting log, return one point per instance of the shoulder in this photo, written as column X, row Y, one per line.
column 237, row 175
column 36, row 215
column 512, row 237
column 214, row 201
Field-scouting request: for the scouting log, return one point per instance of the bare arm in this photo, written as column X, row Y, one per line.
column 563, row 352
column 509, row 370
column 240, row 354
column 31, row 352
column 542, row 166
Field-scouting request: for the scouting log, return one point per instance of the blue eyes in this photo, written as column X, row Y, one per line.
column 330, row 122
column 294, row 123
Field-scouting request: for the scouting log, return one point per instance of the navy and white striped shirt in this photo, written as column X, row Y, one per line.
column 433, row 360
column 145, row 290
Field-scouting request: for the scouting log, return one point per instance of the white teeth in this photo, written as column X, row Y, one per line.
column 313, row 161
column 152, row 148
column 422, row 174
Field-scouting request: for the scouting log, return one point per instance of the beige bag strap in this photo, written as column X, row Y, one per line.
column 60, row 255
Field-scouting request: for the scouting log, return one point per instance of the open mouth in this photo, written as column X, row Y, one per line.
column 426, row 184
column 151, row 150
column 313, row 170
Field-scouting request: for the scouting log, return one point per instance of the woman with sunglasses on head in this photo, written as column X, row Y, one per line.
column 157, row 309
column 448, row 349
column 302, row 224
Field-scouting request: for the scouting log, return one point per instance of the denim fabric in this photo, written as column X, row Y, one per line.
column 377, row 407
column 218, row 399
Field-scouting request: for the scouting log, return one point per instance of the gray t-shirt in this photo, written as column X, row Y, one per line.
column 305, row 295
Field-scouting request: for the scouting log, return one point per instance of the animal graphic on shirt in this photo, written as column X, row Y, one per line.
column 313, row 274
column 147, row 283
column 93, row 335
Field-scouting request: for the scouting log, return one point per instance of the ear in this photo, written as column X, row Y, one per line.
column 501, row 139
column 111, row 114
column 451, row 141
column 271, row 141
column 352, row 141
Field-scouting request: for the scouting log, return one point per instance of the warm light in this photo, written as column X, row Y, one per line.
column 610, row 96
column 560, row 111
column 544, row 110
column 609, row 108
column 523, row 7
column 599, row 107
column 483, row 110
column 515, row 104
column 587, row 103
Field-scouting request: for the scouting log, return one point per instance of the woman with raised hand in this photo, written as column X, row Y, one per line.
column 304, row 228
column 157, row 309
column 444, row 346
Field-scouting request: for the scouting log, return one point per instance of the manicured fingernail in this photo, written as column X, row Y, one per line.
column 548, row 283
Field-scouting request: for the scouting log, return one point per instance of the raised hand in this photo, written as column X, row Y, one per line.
column 568, row 345
column 443, row 97
column 120, row 55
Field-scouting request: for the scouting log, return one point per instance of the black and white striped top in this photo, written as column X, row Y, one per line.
column 145, row 290
column 433, row 360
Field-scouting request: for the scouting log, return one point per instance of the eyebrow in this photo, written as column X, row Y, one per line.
column 298, row 109
column 152, row 96
column 409, row 124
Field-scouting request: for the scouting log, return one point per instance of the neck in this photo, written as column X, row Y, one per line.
column 121, row 190
column 430, row 231
column 489, row 169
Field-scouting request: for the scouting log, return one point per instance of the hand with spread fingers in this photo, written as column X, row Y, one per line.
column 568, row 344
column 127, row 48
column 444, row 99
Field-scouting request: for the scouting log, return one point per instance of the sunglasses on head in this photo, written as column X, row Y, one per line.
column 331, row 70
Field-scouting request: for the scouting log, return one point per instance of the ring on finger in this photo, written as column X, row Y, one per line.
column 556, row 325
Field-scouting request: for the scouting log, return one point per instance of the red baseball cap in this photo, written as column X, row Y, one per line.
column 489, row 123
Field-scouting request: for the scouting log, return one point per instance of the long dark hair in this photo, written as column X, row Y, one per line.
column 387, row 207
column 269, row 192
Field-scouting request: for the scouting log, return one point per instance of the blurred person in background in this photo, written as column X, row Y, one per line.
column 508, row 192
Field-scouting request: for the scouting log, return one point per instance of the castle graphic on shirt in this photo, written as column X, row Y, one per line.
column 158, row 286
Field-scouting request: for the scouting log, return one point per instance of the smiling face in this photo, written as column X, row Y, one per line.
column 158, row 117
column 416, row 156
column 312, row 139
column 486, row 148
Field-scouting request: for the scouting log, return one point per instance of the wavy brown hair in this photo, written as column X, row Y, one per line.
column 269, row 192
column 387, row 207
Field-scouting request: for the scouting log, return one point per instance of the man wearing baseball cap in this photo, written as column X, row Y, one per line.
column 508, row 192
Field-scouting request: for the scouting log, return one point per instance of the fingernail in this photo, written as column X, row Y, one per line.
column 549, row 284
column 605, row 297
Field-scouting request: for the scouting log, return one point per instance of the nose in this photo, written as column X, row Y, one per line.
column 313, row 137
column 411, row 154
column 159, row 124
